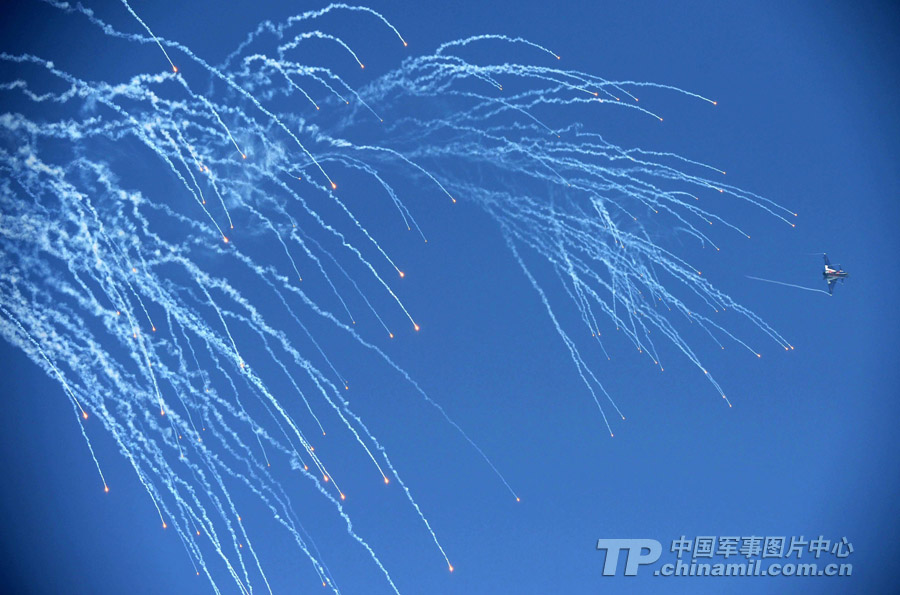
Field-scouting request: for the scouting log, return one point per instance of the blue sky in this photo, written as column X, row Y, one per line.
column 807, row 115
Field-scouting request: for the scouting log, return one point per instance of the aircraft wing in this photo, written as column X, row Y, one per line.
column 831, row 283
column 827, row 262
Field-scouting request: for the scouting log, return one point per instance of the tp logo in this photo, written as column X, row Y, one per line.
column 635, row 557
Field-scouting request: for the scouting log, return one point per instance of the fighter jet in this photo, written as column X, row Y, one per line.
column 832, row 273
